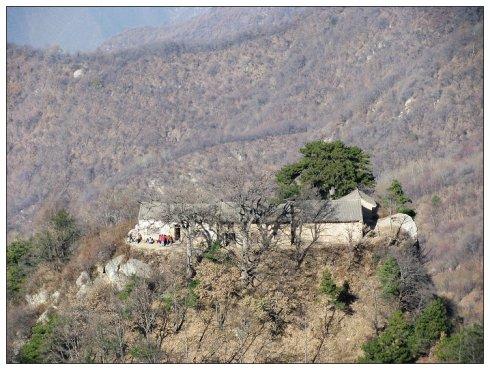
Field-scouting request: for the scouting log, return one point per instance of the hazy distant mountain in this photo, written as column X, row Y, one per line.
column 241, row 84
column 85, row 28
column 208, row 26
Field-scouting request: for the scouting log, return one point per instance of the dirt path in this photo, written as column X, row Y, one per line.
column 157, row 247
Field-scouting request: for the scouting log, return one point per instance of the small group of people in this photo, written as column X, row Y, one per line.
column 134, row 237
column 162, row 239
column 165, row 239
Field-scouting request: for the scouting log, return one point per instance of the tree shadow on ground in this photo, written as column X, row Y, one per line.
column 346, row 298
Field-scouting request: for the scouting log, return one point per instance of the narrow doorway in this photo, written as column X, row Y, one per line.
column 177, row 232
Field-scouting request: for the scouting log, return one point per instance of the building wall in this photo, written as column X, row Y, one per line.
column 367, row 205
column 154, row 228
column 338, row 233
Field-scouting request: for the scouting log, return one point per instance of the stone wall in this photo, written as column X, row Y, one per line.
column 154, row 228
column 336, row 233
column 339, row 233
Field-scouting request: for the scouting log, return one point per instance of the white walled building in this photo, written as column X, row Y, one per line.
column 337, row 221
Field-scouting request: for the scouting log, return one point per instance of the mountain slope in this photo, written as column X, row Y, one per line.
column 209, row 26
column 404, row 84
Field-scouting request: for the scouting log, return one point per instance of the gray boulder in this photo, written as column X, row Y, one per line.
column 78, row 73
column 82, row 291
column 397, row 224
column 83, row 279
column 120, row 282
column 112, row 267
column 55, row 297
column 43, row 318
column 134, row 267
column 118, row 273
column 100, row 269
column 38, row 299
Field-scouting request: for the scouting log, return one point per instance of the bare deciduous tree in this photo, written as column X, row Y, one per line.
column 325, row 329
column 416, row 288
column 68, row 337
column 186, row 206
column 307, row 211
column 144, row 312
column 251, row 194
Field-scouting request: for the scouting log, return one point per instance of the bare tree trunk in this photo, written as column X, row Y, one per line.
column 305, row 329
column 196, row 352
column 180, row 320
column 325, row 331
column 186, row 347
column 244, row 255
column 190, row 271
column 220, row 314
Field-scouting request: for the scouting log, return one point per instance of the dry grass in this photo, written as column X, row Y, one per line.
column 97, row 248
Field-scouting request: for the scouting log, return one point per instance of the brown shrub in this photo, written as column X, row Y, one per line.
column 20, row 319
column 97, row 248
column 44, row 276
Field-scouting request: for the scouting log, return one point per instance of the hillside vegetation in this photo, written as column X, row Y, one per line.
column 403, row 84
column 370, row 302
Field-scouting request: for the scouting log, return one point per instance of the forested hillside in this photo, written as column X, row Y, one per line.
column 209, row 26
column 404, row 84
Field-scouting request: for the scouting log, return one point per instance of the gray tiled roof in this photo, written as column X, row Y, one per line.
column 358, row 194
column 328, row 211
column 162, row 211
column 345, row 209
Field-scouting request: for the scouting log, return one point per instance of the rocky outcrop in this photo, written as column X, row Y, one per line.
column 38, row 299
column 83, row 279
column 78, row 73
column 44, row 317
column 83, row 290
column 43, row 297
column 112, row 272
column 134, row 267
column 116, row 272
column 83, row 283
column 396, row 225
column 100, row 269
column 55, row 297
column 112, row 267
